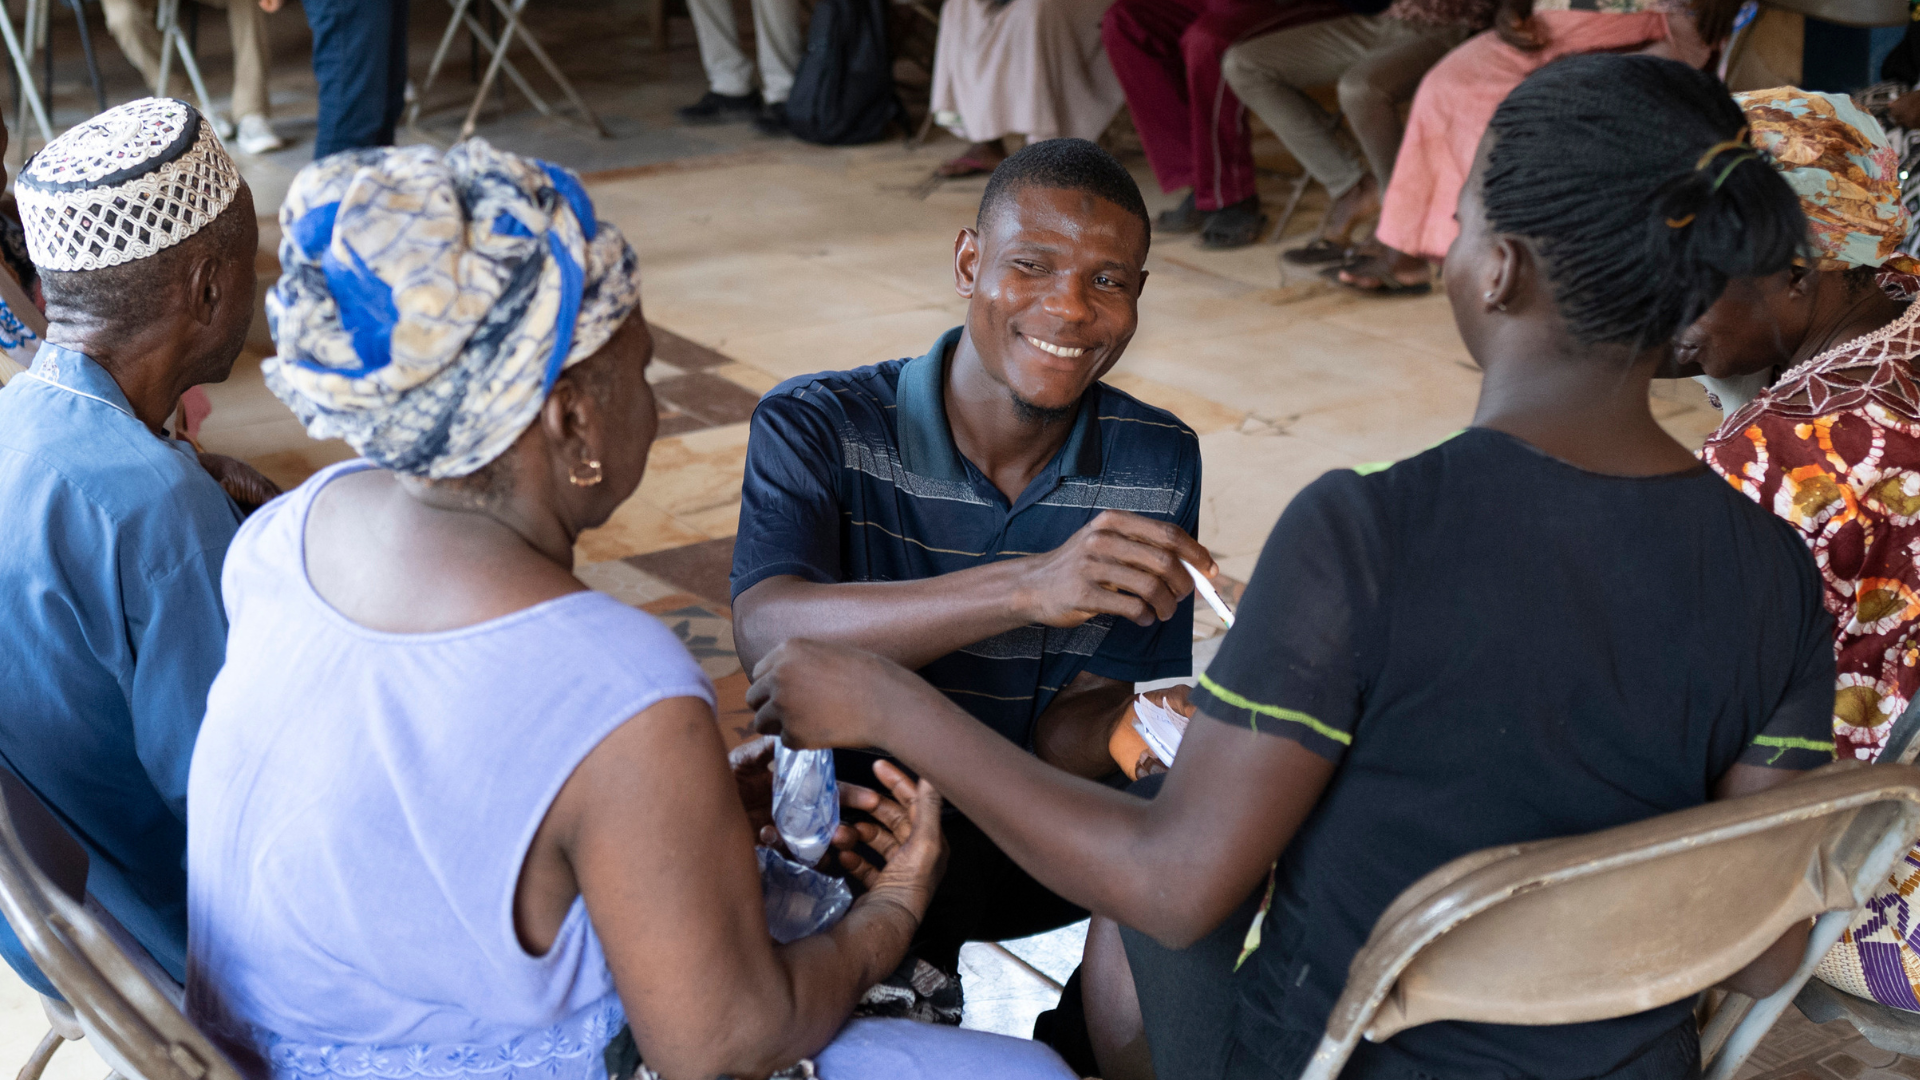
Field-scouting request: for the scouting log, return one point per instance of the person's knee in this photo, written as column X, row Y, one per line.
column 1241, row 70
column 1205, row 41
column 1359, row 94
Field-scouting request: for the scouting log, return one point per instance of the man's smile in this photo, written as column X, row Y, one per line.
column 1067, row 351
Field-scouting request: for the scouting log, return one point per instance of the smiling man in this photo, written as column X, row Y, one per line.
column 990, row 514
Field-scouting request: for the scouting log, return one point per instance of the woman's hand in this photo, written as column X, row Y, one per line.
column 1513, row 21
column 818, row 695
column 905, row 833
column 1905, row 109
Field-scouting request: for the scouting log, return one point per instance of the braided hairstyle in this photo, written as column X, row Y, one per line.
column 1625, row 173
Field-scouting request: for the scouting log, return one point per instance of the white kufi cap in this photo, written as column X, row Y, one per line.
column 129, row 183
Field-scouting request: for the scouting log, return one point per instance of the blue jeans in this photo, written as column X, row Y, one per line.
column 360, row 62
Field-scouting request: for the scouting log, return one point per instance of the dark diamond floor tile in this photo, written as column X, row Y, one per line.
column 675, row 422
column 681, row 353
column 700, row 569
column 708, row 397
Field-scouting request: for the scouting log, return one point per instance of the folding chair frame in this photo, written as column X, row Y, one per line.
column 512, row 27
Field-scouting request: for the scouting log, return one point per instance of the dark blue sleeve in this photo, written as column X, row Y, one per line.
column 789, row 498
column 1132, row 653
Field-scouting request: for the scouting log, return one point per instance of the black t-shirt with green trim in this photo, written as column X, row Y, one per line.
column 1494, row 647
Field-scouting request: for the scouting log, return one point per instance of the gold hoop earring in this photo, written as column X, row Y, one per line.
column 597, row 476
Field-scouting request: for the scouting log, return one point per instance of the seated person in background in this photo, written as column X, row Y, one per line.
column 1832, row 442
column 779, row 40
column 23, row 325
column 1020, row 67
column 991, row 514
column 1376, row 61
column 131, row 22
column 1895, row 102
column 451, row 808
column 1167, row 55
column 1418, row 673
column 1457, row 98
column 112, row 606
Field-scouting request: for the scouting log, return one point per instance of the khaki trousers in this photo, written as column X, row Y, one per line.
column 1375, row 62
column 777, row 37
column 131, row 23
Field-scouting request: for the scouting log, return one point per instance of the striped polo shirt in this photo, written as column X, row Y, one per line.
column 854, row 476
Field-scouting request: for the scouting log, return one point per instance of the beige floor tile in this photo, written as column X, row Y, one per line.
column 851, row 344
column 624, row 582
column 696, row 477
column 1312, row 366
column 1424, row 322
column 636, row 528
column 718, row 300
column 1204, row 416
column 23, row 1022
column 1249, row 479
column 750, row 377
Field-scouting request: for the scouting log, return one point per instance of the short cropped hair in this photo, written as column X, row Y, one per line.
column 1067, row 165
column 140, row 291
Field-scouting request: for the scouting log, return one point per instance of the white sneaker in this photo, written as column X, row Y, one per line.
column 222, row 127
column 256, row 135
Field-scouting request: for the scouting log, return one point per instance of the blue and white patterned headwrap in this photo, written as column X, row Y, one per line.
column 427, row 302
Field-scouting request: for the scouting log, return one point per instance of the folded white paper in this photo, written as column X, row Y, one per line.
column 1160, row 726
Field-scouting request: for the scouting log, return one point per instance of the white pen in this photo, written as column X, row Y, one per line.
column 1209, row 594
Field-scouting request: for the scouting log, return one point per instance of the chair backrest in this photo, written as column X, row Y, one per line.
column 1627, row 919
column 115, row 1001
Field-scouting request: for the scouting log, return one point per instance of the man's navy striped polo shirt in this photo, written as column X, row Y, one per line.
column 854, row 476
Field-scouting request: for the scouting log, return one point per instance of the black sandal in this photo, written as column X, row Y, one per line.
column 1234, row 226
column 1318, row 253
column 1184, row 218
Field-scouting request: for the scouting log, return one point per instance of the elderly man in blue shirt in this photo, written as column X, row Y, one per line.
column 991, row 514
column 144, row 234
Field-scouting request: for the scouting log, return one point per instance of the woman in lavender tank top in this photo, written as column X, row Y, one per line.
column 453, row 815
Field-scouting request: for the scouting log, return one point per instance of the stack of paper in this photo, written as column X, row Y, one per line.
column 1160, row 726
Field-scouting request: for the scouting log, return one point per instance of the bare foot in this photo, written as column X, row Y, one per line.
column 1401, row 269
column 1359, row 203
column 981, row 157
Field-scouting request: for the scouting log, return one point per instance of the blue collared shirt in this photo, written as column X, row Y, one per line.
column 111, row 630
column 854, row 476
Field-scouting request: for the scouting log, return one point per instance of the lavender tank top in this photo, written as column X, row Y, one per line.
column 358, row 811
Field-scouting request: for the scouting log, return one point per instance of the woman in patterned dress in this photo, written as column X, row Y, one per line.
column 1832, row 444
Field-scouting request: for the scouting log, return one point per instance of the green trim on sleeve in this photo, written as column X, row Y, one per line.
column 1275, row 711
column 1784, row 743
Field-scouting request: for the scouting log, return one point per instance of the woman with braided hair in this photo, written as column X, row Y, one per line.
column 1470, row 648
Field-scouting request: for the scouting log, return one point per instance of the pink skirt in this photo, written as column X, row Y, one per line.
column 1456, row 100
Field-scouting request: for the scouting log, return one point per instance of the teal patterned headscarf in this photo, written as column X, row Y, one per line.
column 427, row 302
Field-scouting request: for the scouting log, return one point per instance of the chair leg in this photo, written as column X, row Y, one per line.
column 86, row 49
column 37, row 1061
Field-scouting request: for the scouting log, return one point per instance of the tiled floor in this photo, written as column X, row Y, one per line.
column 767, row 259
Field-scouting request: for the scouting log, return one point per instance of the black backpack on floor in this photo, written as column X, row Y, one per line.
column 843, row 93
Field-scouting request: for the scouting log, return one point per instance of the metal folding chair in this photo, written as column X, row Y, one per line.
column 512, row 28
column 173, row 40
column 113, row 990
column 1631, row 918
column 33, row 39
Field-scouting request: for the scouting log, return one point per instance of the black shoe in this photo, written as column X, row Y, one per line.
column 1185, row 218
column 772, row 120
column 715, row 108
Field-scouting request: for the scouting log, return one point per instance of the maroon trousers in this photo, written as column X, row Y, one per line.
column 1167, row 55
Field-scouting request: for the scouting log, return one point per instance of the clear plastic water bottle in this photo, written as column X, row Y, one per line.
column 806, row 801
column 800, row 901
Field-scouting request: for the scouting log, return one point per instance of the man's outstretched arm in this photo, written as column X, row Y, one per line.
column 1118, row 563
